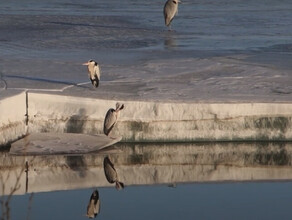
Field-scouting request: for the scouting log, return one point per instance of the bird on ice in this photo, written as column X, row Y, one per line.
column 93, row 206
column 170, row 10
column 93, row 72
column 111, row 173
column 111, row 118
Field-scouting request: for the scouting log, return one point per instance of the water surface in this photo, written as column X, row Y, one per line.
column 174, row 181
column 264, row 200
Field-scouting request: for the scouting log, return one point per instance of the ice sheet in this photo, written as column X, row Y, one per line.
column 232, row 78
column 218, row 51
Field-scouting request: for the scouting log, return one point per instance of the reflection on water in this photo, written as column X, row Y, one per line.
column 143, row 164
column 111, row 173
column 140, row 164
column 93, row 206
column 170, row 40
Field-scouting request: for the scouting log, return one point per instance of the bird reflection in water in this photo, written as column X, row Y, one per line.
column 170, row 41
column 111, row 173
column 93, row 207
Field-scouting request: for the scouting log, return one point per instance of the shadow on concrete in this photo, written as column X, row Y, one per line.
column 43, row 80
column 76, row 122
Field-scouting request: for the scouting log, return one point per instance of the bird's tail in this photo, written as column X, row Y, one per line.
column 119, row 185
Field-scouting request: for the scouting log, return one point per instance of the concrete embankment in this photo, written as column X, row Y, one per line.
column 143, row 121
column 12, row 116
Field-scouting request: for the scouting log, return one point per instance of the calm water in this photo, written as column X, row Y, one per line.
column 162, row 181
column 265, row 200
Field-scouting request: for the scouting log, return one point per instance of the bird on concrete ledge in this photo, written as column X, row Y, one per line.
column 111, row 118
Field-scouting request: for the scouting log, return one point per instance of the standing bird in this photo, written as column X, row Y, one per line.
column 111, row 173
column 111, row 118
column 93, row 205
column 93, row 72
column 170, row 10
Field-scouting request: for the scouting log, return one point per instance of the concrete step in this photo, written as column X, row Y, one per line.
column 61, row 143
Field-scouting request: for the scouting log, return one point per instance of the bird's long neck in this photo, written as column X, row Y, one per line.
column 117, row 113
column 91, row 70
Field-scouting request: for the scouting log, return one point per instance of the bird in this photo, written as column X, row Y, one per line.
column 170, row 10
column 111, row 173
column 93, row 72
column 111, row 118
column 93, row 206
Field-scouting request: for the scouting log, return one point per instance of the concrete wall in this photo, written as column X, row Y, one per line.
column 146, row 121
column 153, row 121
column 12, row 117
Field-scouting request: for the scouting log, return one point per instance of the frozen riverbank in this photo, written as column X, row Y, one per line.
column 219, row 75
column 143, row 121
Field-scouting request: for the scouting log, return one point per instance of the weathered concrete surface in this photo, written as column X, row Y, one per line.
column 12, row 116
column 145, row 121
column 155, row 121
column 66, row 143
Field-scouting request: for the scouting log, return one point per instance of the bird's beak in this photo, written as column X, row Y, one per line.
column 85, row 64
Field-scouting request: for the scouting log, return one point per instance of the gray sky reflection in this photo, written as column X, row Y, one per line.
column 261, row 200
